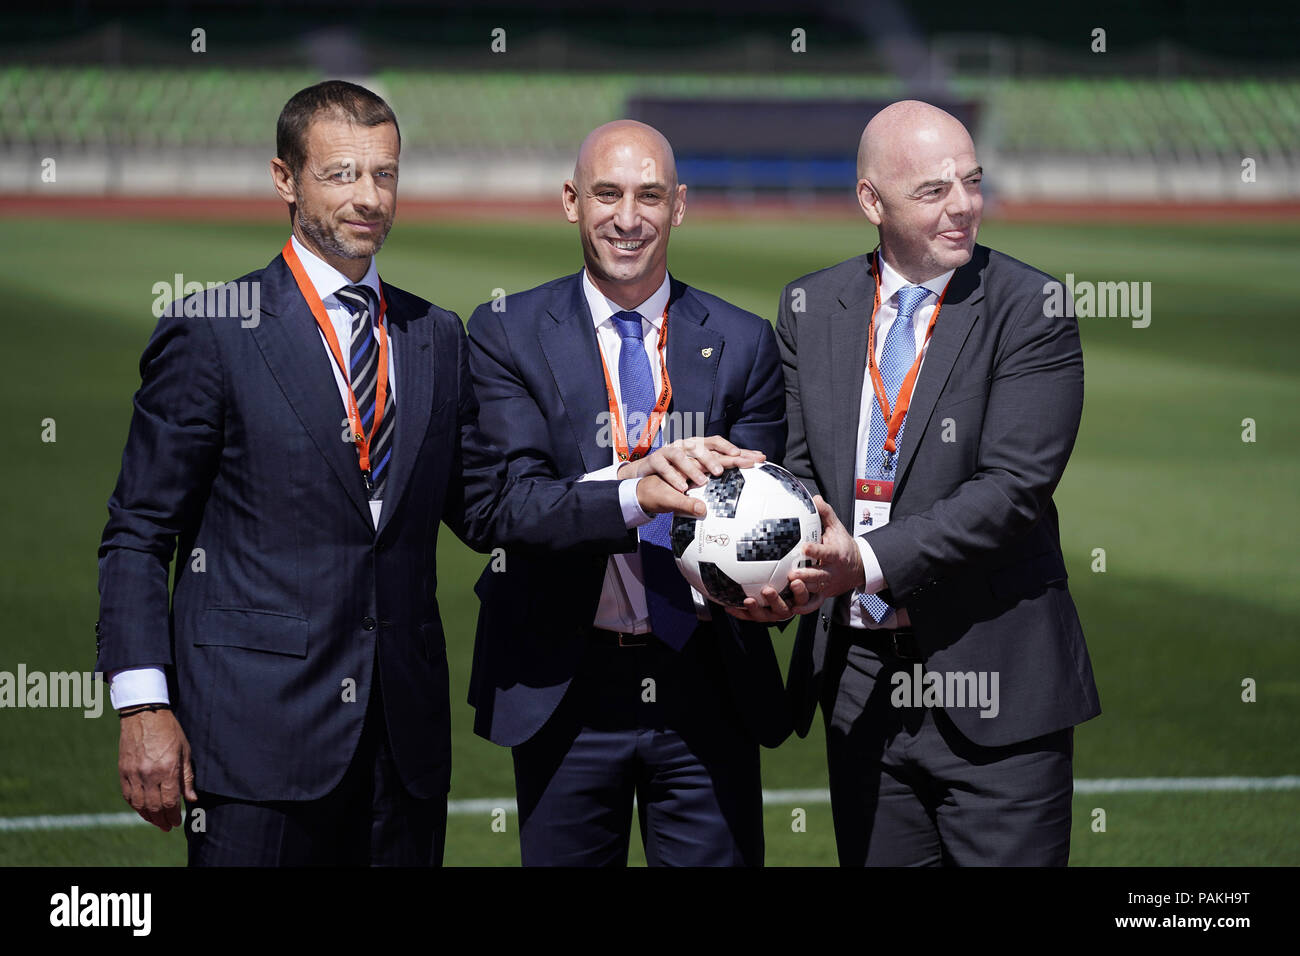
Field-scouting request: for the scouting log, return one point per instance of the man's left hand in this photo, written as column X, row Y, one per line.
column 837, row 561
column 688, row 462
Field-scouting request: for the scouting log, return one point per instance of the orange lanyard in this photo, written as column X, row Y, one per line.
column 656, row 414
column 895, row 420
column 327, row 329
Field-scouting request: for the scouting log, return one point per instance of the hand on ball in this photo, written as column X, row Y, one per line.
column 688, row 462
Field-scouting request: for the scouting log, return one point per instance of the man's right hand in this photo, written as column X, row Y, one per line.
column 656, row 496
column 153, row 761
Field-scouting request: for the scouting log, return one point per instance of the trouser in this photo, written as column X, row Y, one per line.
column 369, row 819
column 648, row 722
column 909, row 789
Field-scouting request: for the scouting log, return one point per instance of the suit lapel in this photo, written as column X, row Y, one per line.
column 289, row 340
column 956, row 317
column 411, row 341
column 573, row 355
column 693, row 352
column 846, row 334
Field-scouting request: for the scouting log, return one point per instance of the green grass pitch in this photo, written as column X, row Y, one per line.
column 1198, row 527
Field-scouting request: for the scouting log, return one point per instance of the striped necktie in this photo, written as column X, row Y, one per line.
column 363, row 374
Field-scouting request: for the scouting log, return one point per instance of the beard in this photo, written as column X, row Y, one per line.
column 329, row 239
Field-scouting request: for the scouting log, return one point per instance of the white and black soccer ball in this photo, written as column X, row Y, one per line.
column 753, row 535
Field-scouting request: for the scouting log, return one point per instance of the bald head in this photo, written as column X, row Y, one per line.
column 919, row 185
column 625, row 198
column 901, row 128
column 624, row 141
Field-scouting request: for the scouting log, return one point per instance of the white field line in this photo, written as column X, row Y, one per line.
column 775, row 798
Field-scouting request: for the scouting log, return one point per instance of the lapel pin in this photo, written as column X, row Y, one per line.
column 707, row 352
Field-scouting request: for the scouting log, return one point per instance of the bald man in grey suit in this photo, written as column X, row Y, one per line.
column 939, row 636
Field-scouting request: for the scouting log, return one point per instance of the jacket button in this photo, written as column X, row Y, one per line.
column 368, row 624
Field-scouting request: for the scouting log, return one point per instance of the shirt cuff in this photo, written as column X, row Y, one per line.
column 633, row 515
column 137, row 685
column 875, row 577
column 603, row 474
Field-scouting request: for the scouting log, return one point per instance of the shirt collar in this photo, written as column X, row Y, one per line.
column 327, row 280
column 602, row 308
column 891, row 282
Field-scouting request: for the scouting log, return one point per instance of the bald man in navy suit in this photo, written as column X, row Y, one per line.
column 595, row 664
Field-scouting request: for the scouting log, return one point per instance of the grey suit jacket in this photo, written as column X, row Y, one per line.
column 972, row 549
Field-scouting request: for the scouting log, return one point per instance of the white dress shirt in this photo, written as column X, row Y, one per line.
column 327, row 280
column 622, row 604
column 148, row 685
column 851, row 612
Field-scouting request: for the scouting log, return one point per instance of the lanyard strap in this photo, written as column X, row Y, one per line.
column 894, row 421
column 656, row 415
column 359, row 436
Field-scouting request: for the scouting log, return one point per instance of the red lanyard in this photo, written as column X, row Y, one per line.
column 327, row 329
column 656, row 415
column 895, row 421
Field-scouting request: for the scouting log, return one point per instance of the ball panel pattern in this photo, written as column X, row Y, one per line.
column 769, row 540
column 722, row 493
column 792, row 483
column 720, row 587
column 682, row 534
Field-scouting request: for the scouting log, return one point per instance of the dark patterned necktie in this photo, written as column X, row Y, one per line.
column 363, row 374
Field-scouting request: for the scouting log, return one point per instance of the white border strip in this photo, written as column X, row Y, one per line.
column 779, row 798
column 1185, row 784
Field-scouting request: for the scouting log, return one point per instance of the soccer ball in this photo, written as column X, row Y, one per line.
column 753, row 535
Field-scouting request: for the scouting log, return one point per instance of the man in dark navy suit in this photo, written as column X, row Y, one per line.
column 298, row 460
column 597, row 664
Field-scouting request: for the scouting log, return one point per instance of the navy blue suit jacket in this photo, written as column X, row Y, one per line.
column 537, row 375
column 284, row 590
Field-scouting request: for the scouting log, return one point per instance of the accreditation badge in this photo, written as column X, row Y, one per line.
column 872, row 499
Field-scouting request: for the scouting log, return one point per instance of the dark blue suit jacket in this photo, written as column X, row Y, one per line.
column 537, row 374
column 237, row 448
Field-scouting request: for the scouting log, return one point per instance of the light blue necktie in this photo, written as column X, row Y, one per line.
column 668, row 597
column 897, row 356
